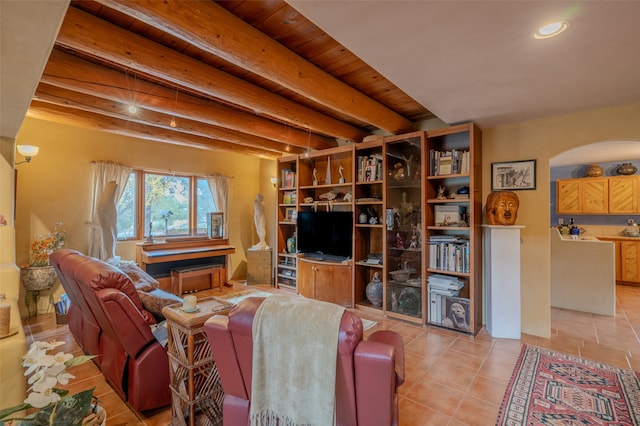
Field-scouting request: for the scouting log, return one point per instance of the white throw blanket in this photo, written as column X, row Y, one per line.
column 295, row 347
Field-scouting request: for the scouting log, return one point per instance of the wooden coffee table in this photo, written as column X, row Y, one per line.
column 194, row 381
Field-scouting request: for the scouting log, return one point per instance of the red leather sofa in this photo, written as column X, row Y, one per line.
column 107, row 319
column 367, row 377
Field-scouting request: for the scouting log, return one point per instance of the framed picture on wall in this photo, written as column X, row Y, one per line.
column 513, row 175
column 215, row 225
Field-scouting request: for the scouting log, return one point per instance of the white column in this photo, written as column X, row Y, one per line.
column 502, row 280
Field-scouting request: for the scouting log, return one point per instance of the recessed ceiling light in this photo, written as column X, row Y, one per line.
column 551, row 30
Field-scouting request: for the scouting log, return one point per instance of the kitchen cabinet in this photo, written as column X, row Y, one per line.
column 595, row 195
column 326, row 281
column 604, row 195
column 629, row 261
column 582, row 196
column 568, row 196
column 623, row 194
column 627, row 257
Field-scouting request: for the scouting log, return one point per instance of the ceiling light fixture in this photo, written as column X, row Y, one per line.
column 27, row 151
column 173, row 123
column 551, row 30
column 132, row 109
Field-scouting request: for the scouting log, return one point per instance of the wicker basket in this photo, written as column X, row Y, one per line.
column 61, row 319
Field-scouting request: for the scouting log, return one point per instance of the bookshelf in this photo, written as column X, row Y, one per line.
column 369, row 219
column 453, row 228
column 286, row 267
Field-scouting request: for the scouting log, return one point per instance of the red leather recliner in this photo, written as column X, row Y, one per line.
column 368, row 372
column 108, row 320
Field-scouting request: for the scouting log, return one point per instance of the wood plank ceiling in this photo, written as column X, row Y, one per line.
column 254, row 77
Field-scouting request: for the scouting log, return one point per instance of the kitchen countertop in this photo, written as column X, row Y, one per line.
column 618, row 237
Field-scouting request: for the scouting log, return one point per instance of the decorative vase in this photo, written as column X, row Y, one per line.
column 291, row 244
column 36, row 278
column 627, row 169
column 374, row 291
column 594, row 170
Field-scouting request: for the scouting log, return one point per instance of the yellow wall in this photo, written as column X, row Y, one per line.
column 56, row 185
column 541, row 140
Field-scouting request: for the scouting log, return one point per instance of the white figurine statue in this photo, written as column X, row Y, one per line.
column 340, row 169
column 258, row 218
column 315, row 177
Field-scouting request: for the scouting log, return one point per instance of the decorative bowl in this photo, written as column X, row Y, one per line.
column 401, row 275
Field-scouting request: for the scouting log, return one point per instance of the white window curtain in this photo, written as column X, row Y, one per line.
column 103, row 172
column 219, row 185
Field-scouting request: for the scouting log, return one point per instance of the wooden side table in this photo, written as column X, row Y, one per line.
column 194, row 381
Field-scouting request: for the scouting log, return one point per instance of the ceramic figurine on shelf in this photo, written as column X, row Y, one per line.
column 441, row 192
column 502, row 207
column 374, row 290
column 327, row 178
column 398, row 171
column 399, row 241
column 340, row 170
column 315, row 177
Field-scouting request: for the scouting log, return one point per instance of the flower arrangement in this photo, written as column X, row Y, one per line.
column 46, row 244
column 54, row 406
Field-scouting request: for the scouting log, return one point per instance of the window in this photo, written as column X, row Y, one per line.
column 127, row 210
column 165, row 205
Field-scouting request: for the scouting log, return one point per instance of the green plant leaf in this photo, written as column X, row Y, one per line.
column 8, row 411
column 69, row 411
column 78, row 360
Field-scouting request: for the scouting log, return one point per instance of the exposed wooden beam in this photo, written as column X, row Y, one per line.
column 68, row 98
column 56, row 113
column 86, row 33
column 215, row 30
column 69, row 72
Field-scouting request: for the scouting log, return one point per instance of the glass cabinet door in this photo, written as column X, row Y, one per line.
column 404, row 257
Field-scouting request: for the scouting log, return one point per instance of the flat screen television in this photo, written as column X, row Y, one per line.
column 325, row 235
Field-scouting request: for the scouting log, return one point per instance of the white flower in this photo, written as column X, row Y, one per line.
column 63, row 378
column 61, row 357
column 45, row 383
column 40, row 400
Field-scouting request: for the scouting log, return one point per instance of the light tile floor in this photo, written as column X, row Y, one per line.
column 451, row 379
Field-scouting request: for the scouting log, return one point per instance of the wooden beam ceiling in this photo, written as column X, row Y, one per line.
column 244, row 76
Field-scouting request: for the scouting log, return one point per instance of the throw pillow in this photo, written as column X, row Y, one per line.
column 153, row 301
column 140, row 279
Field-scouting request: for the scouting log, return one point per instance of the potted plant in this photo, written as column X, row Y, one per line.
column 39, row 274
column 47, row 404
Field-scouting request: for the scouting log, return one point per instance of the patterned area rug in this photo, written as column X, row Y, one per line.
column 550, row 388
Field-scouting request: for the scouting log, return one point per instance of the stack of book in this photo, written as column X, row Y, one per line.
column 450, row 162
column 369, row 168
column 449, row 253
column 440, row 287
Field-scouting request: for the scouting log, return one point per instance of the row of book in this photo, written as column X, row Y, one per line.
column 449, row 311
column 288, row 178
column 449, row 254
column 451, row 162
column 289, row 197
column 369, row 168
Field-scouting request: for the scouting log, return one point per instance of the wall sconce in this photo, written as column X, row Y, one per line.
column 27, row 151
column 274, row 181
